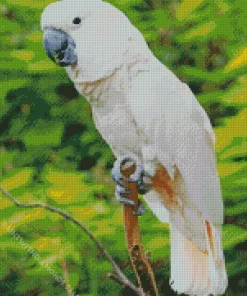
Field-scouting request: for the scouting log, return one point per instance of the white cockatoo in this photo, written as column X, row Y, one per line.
column 142, row 109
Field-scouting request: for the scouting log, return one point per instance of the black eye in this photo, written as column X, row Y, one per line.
column 76, row 21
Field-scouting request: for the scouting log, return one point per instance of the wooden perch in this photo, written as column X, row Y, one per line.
column 139, row 261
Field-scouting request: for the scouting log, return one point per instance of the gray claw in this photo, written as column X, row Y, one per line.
column 128, row 160
column 141, row 209
column 120, row 191
column 117, row 176
column 140, row 177
column 144, row 184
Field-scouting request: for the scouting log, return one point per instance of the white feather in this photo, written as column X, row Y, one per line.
column 155, row 203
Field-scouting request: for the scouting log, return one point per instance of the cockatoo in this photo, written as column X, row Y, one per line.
column 145, row 113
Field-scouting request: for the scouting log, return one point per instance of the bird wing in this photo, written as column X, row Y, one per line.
column 195, row 159
column 181, row 135
column 190, row 139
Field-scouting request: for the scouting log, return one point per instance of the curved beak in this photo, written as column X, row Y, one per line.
column 60, row 47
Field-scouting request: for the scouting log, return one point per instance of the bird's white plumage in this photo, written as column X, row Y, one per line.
column 140, row 106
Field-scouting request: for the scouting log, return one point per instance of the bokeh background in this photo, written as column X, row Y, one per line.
column 50, row 150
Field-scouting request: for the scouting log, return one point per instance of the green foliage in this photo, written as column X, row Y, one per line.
column 51, row 151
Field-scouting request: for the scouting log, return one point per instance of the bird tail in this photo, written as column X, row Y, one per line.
column 197, row 272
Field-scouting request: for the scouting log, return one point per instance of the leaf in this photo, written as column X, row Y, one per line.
column 13, row 64
column 9, row 27
column 238, row 61
column 234, row 186
column 104, row 229
column 11, row 84
column 229, row 168
column 67, row 187
column 186, row 8
column 82, row 213
column 17, row 180
column 20, row 218
column 74, row 279
column 239, row 209
column 159, row 246
column 161, row 19
column 30, row 3
column 234, row 127
column 236, row 151
column 35, row 37
column 43, row 133
column 198, row 74
column 47, row 244
column 42, row 66
column 63, row 178
column 238, row 93
column 24, row 55
column 233, row 235
column 5, row 203
column 6, row 158
column 222, row 6
column 199, row 32
column 52, row 259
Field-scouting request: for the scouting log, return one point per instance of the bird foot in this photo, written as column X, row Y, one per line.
column 140, row 177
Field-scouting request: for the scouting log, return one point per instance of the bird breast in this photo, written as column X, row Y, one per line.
column 117, row 127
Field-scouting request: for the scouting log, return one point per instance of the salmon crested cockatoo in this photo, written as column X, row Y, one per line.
column 147, row 116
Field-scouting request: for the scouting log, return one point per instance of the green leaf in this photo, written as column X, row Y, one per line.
column 74, row 279
column 198, row 74
column 233, row 235
column 24, row 55
column 9, row 27
column 159, row 246
column 237, row 95
column 43, row 133
column 239, row 209
column 233, row 128
column 10, row 84
column 238, row 61
column 186, row 8
column 17, row 179
column 237, row 266
column 198, row 33
column 31, row 3
column 42, row 66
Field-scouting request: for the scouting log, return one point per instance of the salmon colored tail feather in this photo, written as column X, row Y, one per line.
column 195, row 271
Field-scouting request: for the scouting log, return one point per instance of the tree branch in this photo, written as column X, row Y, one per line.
column 119, row 274
column 140, row 262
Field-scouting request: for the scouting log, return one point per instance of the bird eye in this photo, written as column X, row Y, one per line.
column 76, row 20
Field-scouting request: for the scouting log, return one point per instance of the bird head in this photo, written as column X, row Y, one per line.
column 61, row 21
column 90, row 34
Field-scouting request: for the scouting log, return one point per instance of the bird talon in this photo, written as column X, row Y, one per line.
column 140, row 177
column 122, row 196
column 140, row 210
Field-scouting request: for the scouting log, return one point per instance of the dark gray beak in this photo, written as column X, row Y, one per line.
column 60, row 47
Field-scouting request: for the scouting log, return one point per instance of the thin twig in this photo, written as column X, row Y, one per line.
column 66, row 278
column 122, row 278
column 113, row 277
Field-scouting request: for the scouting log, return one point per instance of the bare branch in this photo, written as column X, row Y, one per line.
column 119, row 274
column 66, row 278
column 139, row 260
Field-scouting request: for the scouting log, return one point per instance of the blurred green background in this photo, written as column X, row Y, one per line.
column 50, row 150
